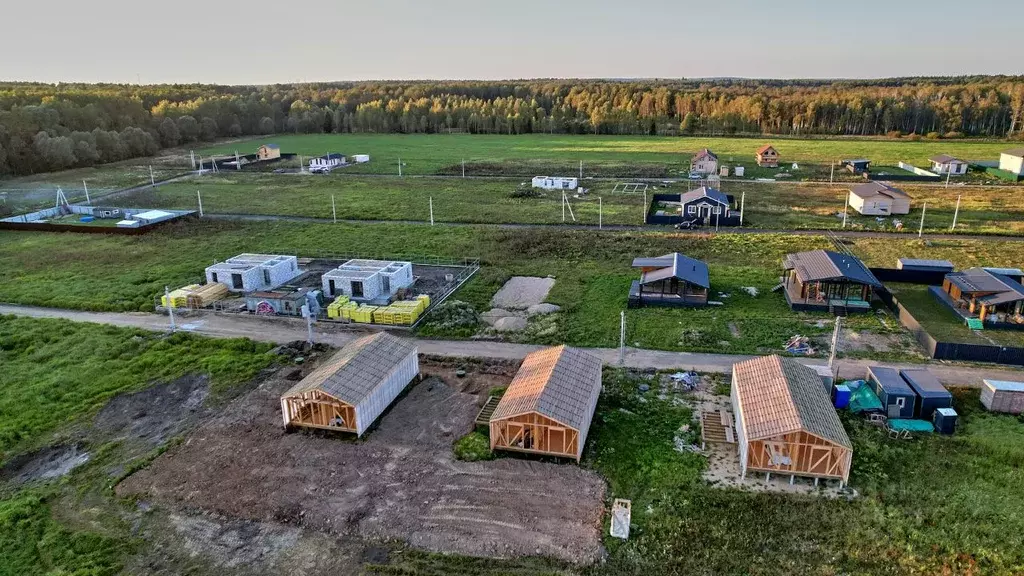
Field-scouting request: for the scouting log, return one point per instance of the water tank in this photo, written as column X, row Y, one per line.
column 841, row 396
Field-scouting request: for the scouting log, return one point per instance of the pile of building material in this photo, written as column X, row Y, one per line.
column 399, row 313
column 178, row 298
column 799, row 345
column 206, row 295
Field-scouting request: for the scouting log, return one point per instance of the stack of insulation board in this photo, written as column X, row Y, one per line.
column 402, row 312
column 363, row 313
column 178, row 298
column 207, row 294
column 334, row 309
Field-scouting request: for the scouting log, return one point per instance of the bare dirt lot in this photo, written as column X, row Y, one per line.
column 401, row 481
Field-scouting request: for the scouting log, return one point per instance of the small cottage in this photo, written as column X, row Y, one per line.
column 705, row 204
column 368, row 280
column 1012, row 161
column 988, row 294
column 946, row 164
column 877, row 199
column 822, row 280
column 548, row 407
column 897, row 397
column 670, row 280
column 704, row 162
column 268, row 152
column 352, row 389
column 785, row 421
column 251, row 272
column 326, row 162
column 767, row 156
column 857, row 165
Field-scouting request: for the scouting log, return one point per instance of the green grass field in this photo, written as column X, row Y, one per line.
column 39, row 191
column 428, row 154
column 945, row 326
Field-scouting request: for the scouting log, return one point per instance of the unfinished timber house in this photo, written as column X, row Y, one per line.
column 785, row 422
column 548, row 407
column 825, row 281
column 349, row 391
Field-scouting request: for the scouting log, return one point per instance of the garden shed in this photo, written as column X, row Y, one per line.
column 548, row 407
column 1003, row 396
column 785, row 422
column 349, row 391
column 931, row 394
column 897, row 397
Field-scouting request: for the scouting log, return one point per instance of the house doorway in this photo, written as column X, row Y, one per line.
column 357, row 289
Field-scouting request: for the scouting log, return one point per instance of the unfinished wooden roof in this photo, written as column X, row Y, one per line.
column 357, row 369
column 780, row 396
column 556, row 383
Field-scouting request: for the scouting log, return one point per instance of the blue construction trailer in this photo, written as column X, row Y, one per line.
column 897, row 397
column 931, row 394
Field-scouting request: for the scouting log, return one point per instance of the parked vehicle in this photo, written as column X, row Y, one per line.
column 696, row 175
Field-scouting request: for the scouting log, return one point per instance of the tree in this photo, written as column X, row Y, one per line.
column 56, row 153
column 689, row 125
column 188, row 128
column 85, row 148
column 266, row 125
column 208, row 129
column 169, row 135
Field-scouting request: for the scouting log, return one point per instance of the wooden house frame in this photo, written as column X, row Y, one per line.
column 825, row 280
column 352, row 389
column 984, row 292
column 548, row 407
column 785, row 422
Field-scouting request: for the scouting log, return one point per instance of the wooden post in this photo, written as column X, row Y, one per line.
column 956, row 212
column 920, row 231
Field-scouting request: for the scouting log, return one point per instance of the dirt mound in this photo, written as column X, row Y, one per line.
column 401, row 481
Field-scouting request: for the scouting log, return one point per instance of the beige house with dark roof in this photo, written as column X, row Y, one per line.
column 946, row 164
column 877, row 199
column 349, row 391
column 785, row 422
column 548, row 407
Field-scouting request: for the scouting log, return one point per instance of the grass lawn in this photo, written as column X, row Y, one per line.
column 928, row 506
column 430, row 154
column 943, row 324
column 26, row 193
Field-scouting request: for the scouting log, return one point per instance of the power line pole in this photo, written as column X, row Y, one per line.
column 835, row 342
column 152, row 180
column 432, row 211
column 948, row 174
column 200, row 197
column 622, row 337
column 920, row 230
column 832, row 174
column 600, row 213
column 86, row 186
column 170, row 307
column 334, row 209
column 956, row 212
column 743, row 201
column 192, row 157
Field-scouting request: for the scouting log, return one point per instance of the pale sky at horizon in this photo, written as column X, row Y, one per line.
column 265, row 42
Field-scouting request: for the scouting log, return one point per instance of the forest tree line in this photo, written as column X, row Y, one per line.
column 46, row 127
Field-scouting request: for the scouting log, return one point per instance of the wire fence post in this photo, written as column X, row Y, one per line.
column 743, row 202
column 622, row 337
column 956, row 212
column 920, row 230
column 334, row 209
column 199, row 195
column 432, row 211
column 600, row 213
column 86, row 186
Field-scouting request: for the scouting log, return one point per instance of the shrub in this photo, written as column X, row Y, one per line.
column 933, row 136
column 953, row 134
column 473, row 447
column 455, row 314
column 524, row 192
column 894, row 134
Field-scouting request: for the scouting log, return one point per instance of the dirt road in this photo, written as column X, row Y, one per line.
column 281, row 330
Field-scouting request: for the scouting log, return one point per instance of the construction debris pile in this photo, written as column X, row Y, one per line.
column 800, row 345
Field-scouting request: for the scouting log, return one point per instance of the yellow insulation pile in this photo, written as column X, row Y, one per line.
column 402, row 312
column 178, row 298
column 334, row 309
column 207, row 294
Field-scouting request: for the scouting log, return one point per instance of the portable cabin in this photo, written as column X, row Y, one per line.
column 368, row 280
column 1003, row 396
column 351, row 390
column 931, row 394
column 554, row 182
column 897, row 397
column 670, row 280
column 548, row 407
column 253, row 272
column 785, row 422
column 877, row 199
column 944, row 420
column 1012, row 161
column 946, row 164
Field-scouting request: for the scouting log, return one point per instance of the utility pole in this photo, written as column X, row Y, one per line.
column 956, row 212
column 845, row 208
column 86, row 186
column 645, row 206
column 743, row 201
column 622, row 337
column 152, row 180
column 463, row 167
column 170, row 307
column 581, row 170
column 308, row 315
column 948, row 174
column 200, row 165
column 334, row 209
column 192, row 157
column 600, row 214
column 835, row 342
column 920, row 230
column 200, row 197
column 432, row 211
column 399, row 167
column 832, row 174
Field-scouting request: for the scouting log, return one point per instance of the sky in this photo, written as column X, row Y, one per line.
column 272, row 41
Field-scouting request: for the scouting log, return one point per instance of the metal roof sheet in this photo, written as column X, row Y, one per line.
column 704, row 192
column 889, row 379
column 1018, row 152
column 924, row 383
column 780, row 395
column 872, row 189
column 819, row 265
column 358, row 369
column 945, row 159
column 674, row 265
column 556, row 383
column 1003, row 289
column 917, row 263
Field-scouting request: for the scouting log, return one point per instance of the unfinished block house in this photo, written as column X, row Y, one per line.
column 785, row 422
column 987, row 295
column 349, row 391
column 548, row 407
column 252, row 272
column 368, row 280
column 670, row 280
column 822, row 280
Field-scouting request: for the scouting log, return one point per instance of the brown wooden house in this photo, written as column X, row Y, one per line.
column 767, row 156
column 670, row 280
column 987, row 292
column 548, row 407
column 268, row 152
column 822, row 280
column 785, row 422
